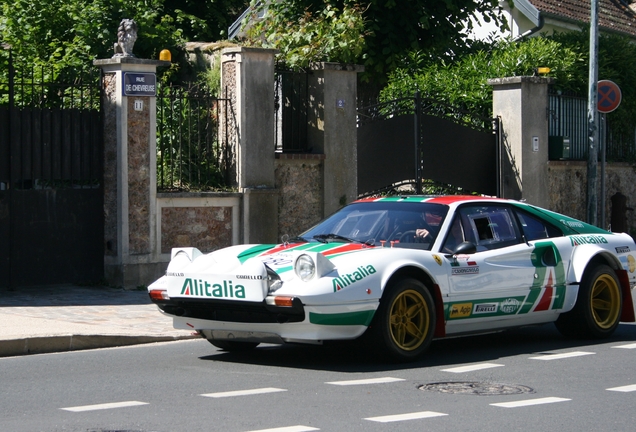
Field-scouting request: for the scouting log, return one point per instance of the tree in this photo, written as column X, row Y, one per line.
column 464, row 82
column 386, row 30
column 207, row 20
column 68, row 35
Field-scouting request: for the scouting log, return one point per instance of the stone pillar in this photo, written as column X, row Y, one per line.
column 522, row 104
column 333, row 130
column 130, row 171
column 247, row 79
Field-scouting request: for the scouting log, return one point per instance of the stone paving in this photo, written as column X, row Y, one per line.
column 65, row 317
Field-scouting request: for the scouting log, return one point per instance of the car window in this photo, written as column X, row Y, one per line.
column 490, row 227
column 360, row 224
column 534, row 228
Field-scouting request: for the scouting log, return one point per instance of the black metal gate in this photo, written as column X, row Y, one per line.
column 51, row 194
column 410, row 140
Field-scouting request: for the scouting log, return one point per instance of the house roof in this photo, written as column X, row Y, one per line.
column 613, row 15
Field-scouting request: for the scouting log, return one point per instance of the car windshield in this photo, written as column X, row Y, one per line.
column 397, row 224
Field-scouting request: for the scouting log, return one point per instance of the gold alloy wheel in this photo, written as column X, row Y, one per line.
column 410, row 320
column 605, row 301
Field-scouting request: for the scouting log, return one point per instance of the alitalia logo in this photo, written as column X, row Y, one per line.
column 193, row 287
column 589, row 239
column 347, row 279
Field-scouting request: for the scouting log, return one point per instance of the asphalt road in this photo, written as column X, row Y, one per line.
column 525, row 380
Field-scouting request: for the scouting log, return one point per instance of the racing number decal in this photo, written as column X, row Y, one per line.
column 549, row 280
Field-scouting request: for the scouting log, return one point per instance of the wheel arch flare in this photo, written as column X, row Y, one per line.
column 586, row 257
column 421, row 274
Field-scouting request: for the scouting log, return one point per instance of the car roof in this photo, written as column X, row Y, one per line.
column 567, row 224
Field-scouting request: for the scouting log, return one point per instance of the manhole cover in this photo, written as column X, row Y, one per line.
column 477, row 388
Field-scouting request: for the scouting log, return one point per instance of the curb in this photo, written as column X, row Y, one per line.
column 53, row 344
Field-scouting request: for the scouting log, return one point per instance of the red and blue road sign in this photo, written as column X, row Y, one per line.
column 609, row 96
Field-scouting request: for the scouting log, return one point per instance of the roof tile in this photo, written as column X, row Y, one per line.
column 614, row 15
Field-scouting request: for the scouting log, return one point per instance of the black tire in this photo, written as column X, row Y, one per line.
column 404, row 324
column 233, row 346
column 598, row 307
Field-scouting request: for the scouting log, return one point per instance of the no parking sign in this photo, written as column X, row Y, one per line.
column 609, row 96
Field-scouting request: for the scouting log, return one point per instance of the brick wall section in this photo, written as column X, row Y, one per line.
column 299, row 179
column 206, row 228
column 228, row 127
column 110, row 164
column 138, row 177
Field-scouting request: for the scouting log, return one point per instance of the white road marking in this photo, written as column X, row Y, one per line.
column 408, row 416
column 562, row 355
column 627, row 388
column 471, row 368
column 530, row 402
column 104, row 406
column 628, row 346
column 244, row 392
column 366, row 381
column 298, row 428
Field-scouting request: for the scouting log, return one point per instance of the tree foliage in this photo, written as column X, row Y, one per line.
column 329, row 34
column 375, row 33
column 463, row 83
column 69, row 34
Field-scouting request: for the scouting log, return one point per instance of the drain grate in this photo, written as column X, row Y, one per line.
column 477, row 388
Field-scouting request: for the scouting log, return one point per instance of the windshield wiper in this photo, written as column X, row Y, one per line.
column 325, row 238
column 298, row 239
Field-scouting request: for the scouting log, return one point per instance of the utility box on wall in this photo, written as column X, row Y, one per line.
column 558, row 148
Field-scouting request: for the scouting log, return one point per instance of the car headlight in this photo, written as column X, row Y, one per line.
column 305, row 267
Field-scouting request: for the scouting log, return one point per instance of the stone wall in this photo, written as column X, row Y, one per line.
column 299, row 179
column 568, row 189
column 207, row 221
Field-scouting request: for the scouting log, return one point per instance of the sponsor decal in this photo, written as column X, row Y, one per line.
column 572, row 223
column 174, row 274
column 251, row 277
column 437, row 259
column 279, row 260
column 349, row 278
column 460, row 310
column 485, row 308
column 465, row 270
column 588, row 239
column 510, row 305
column 224, row 289
column 622, row 249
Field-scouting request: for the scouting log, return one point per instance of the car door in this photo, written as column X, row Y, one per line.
column 508, row 275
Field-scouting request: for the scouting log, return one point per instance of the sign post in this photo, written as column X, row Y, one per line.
column 609, row 98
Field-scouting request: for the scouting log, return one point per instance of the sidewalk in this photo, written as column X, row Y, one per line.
column 66, row 318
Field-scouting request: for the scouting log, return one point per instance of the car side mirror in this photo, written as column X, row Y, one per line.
column 465, row 248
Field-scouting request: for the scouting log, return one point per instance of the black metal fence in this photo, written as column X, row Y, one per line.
column 291, row 109
column 53, row 127
column 568, row 119
column 194, row 152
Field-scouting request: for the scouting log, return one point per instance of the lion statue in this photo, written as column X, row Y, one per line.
column 126, row 37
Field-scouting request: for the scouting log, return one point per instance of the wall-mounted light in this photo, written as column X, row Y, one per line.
column 541, row 71
column 165, row 55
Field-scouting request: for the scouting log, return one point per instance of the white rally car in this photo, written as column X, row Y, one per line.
column 405, row 270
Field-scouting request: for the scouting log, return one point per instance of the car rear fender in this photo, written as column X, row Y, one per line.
column 585, row 256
